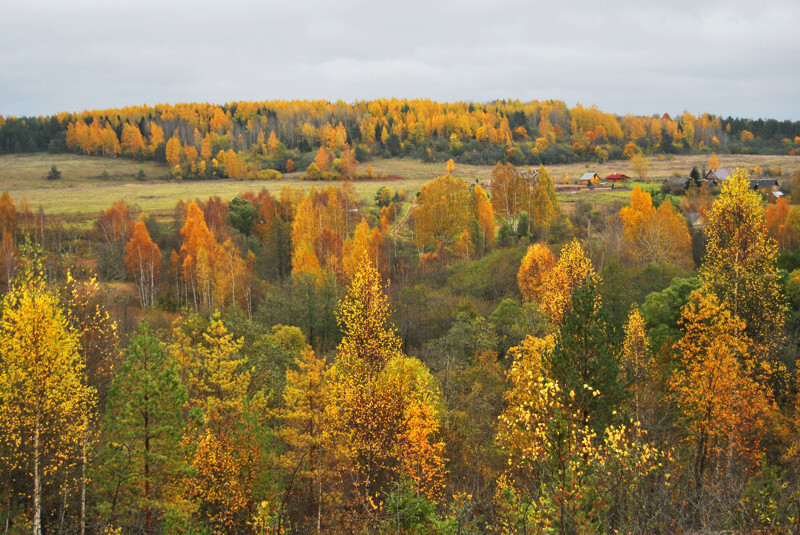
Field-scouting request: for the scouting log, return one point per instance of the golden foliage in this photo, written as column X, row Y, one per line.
column 722, row 406
column 512, row 193
column 640, row 166
column 537, row 266
column 779, row 224
column 173, row 151
column 637, row 361
column 484, row 213
column 221, row 486
column 383, row 406
column 43, row 398
column 545, row 436
column 443, row 211
column 739, row 267
column 571, row 270
column 655, row 236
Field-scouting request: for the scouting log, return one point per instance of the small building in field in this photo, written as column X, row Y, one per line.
column 589, row 178
column 617, row 178
column 717, row 175
column 529, row 174
column 764, row 184
column 696, row 220
column 775, row 195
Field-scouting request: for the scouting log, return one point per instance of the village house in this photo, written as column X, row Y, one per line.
column 589, row 178
column 697, row 221
column 764, row 184
column 717, row 175
column 617, row 178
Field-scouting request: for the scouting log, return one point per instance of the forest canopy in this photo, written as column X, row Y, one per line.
column 486, row 357
column 260, row 139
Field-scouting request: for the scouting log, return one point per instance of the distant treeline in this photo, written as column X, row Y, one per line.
column 285, row 135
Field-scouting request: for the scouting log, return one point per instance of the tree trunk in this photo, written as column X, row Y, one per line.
column 37, row 483
column 83, row 477
column 148, row 514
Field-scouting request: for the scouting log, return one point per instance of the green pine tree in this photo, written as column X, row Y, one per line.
column 584, row 354
column 144, row 424
column 53, row 173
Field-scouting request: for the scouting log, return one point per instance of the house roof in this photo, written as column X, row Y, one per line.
column 759, row 183
column 695, row 218
column 777, row 194
column 718, row 174
column 617, row 175
column 588, row 176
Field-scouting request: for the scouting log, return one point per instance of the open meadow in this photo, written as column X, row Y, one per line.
column 91, row 184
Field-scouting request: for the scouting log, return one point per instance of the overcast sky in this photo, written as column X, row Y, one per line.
column 724, row 57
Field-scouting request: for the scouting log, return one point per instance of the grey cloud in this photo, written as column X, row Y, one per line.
column 730, row 58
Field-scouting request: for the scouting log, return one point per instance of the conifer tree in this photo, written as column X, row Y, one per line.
column 583, row 354
column 304, row 432
column 144, row 425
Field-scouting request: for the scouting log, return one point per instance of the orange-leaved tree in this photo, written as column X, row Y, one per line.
column 655, row 235
column 199, row 244
column 537, row 265
column 143, row 260
column 305, row 233
column 779, row 224
column 723, row 410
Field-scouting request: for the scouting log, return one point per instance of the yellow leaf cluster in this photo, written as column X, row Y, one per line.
column 571, row 270
column 443, row 211
column 383, row 407
column 537, row 265
column 655, row 235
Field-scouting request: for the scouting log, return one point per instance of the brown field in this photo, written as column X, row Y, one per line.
column 83, row 188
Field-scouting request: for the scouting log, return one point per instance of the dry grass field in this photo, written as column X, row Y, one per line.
column 91, row 184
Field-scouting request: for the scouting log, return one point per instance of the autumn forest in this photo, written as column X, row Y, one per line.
column 522, row 354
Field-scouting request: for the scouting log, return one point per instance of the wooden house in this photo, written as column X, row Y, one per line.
column 764, row 184
column 695, row 220
column 589, row 178
column 717, row 175
column 617, row 178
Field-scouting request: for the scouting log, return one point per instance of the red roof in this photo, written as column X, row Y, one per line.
column 617, row 175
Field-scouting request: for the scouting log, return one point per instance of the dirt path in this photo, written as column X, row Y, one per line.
column 403, row 220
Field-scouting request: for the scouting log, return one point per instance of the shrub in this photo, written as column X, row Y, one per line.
column 54, row 173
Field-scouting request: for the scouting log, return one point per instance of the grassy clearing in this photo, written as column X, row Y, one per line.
column 83, row 188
